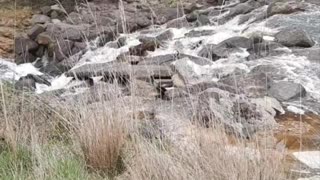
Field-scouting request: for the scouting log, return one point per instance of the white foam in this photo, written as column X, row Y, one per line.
column 12, row 71
column 309, row 158
column 295, row 110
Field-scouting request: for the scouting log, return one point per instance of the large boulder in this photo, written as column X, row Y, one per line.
column 24, row 50
column 35, row 31
column 150, row 42
column 23, row 44
column 285, row 90
column 40, row 19
column 286, row 7
column 253, row 85
column 294, row 37
column 190, row 70
column 236, row 113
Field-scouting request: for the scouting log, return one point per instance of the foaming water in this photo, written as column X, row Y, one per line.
column 10, row 71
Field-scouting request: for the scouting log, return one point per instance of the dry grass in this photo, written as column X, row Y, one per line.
column 102, row 134
column 105, row 140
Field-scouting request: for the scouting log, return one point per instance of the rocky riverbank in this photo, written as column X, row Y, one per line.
column 251, row 66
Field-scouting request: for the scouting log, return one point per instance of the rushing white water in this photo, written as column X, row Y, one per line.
column 10, row 71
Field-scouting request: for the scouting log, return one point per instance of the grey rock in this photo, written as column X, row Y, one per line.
column 150, row 43
column 44, row 39
column 242, row 8
column 79, row 46
column 286, row 7
column 45, row 10
column 121, row 71
column 294, row 37
column 159, row 60
column 202, row 20
column 236, row 113
column 25, row 57
column 29, row 82
column 35, row 31
column 215, row 2
column 270, row 104
column 25, row 83
column 24, row 45
column 61, row 50
column 253, row 85
column 285, row 90
column 264, row 49
column 40, row 19
column 187, row 71
column 225, row 48
column 195, row 33
column 178, row 23
column 165, row 14
column 72, row 34
column 276, row 73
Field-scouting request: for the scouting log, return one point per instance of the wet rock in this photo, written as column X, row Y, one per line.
column 72, row 34
column 253, row 85
column 285, row 90
column 237, row 114
column 202, row 20
column 45, row 10
column 277, row 73
column 29, row 82
column 178, row 23
column 150, row 43
column 79, row 46
column 69, row 62
column 121, row 71
column 192, row 17
column 166, row 14
column 225, row 48
column 188, row 8
column 294, row 37
column 264, row 49
column 159, row 60
column 195, row 33
column 25, row 83
column 23, row 44
column 25, row 57
column 188, row 71
column 44, row 39
column 61, row 50
column 35, row 31
column 40, row 19
column 286, row 7
column 270, row 104
column 242, row 8
column 215, row 2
